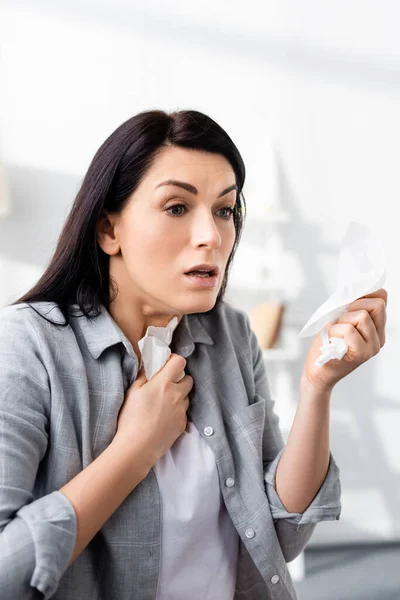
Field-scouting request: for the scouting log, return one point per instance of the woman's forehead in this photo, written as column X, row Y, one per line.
column 175, row 163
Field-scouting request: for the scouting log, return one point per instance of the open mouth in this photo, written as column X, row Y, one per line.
column 204, row 274
column 203, row 277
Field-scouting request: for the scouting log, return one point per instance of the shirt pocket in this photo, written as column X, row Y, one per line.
column 246, row 428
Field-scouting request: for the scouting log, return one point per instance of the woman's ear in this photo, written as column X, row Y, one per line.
column 107, row 234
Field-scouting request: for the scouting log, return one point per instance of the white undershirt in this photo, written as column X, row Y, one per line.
column 199, row 544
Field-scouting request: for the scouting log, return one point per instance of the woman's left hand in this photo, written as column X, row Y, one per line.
column 363, row 329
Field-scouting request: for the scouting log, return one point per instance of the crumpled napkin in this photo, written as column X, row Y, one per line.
column 361, row 271
column 154, row 348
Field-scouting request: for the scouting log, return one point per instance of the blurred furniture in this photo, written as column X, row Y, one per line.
column 266, row 322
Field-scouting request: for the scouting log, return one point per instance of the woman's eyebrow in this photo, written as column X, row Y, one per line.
column 190, row 188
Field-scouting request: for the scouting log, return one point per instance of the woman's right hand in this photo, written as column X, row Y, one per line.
column 153, row 414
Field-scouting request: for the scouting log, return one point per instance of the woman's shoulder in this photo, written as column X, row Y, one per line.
column 28, row 321
column 31, row 312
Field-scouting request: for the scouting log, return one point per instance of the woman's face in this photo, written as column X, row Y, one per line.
column 179, row 217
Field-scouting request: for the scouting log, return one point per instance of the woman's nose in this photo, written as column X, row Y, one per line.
column 205, row 232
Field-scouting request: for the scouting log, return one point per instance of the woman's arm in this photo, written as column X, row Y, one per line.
column 97, row 491
column 305, row 460
column 39, row 538
column 59, row 524
column 319, row 495
column 30, row 530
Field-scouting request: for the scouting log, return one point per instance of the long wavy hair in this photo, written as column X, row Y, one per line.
column 78, row 272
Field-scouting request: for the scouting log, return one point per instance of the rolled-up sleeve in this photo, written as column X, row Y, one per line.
column 293, row 529
column 325, row 505
column 37, row 537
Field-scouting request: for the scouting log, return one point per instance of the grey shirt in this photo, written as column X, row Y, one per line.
column 61, row 389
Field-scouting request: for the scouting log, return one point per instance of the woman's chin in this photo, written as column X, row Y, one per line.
column 197, row 304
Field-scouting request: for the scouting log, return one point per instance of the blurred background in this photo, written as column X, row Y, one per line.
column 309, row 91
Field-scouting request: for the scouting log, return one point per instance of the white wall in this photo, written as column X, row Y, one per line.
column 319, row 79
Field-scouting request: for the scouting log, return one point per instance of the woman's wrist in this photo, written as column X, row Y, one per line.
column 135, row 457
column 307, row 384
column 311, row 392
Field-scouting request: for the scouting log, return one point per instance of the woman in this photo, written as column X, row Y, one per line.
column 112, row 486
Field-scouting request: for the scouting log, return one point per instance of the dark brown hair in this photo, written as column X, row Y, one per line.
column 78, row 272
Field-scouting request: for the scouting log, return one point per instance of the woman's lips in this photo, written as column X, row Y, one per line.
column 204, row 282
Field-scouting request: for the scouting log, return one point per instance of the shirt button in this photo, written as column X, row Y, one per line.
column 208, row 431
column 275, row 579
column 230, row 482
column 250, row 533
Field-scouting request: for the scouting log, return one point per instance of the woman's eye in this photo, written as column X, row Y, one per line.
column 230, row 212
column 179, row 209
column 175, row 207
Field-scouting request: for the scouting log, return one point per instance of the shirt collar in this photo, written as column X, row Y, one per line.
column 102, row 332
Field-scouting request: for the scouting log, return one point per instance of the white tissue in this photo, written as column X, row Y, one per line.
column 154, row 348
column 361, row 271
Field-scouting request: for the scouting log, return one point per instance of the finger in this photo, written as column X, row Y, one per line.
column 352, row 337
column 376, row 308
column 186, row 384
column 141, row 378
column 173, row 367
column 381, row 293
column 362, row 323
column 181, row 377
